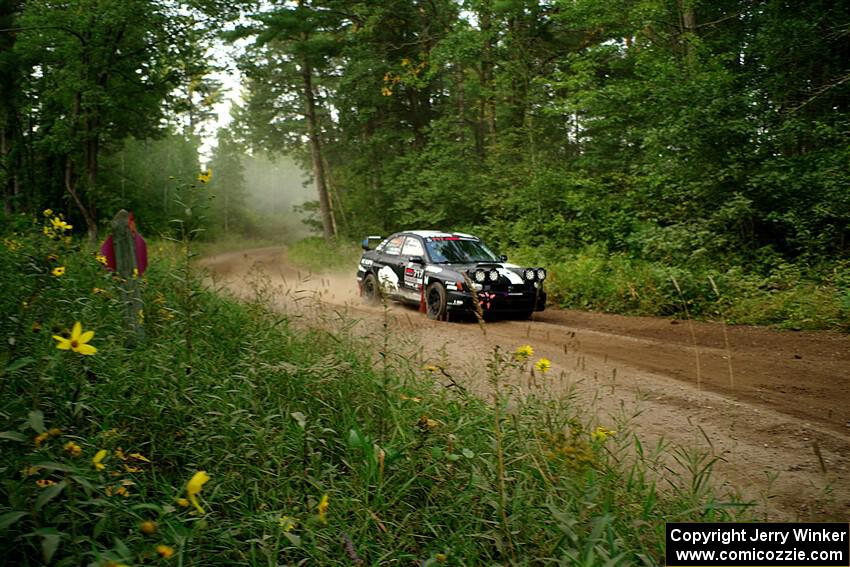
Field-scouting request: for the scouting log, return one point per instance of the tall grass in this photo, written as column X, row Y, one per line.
column 318, row 450
column 788, row 296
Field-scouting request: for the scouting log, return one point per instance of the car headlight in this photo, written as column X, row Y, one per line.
column 494, row 275
column 480, row 276
column 541, row 274
column 528, row 274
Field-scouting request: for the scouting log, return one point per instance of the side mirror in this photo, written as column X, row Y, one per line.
column 416, row 260
column 365, row 242
column 503, row 258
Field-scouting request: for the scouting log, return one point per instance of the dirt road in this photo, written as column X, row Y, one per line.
column 774, row 406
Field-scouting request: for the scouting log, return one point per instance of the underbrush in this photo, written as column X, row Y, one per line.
column 787, row 296
column 316, row 255
column 230, row 438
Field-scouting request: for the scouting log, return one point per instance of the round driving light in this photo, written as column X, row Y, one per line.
column 541, row 274
column 494, row 275
column 480, row 276
column 529, row 274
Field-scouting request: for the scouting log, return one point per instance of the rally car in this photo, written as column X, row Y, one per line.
column 447, row 273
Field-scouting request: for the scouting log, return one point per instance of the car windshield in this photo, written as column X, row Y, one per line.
column 454, row 250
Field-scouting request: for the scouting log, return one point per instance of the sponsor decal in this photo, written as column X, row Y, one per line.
column 388, row 278
column 413, row 276
column 512, row 277
column 433, row 269
column 366, row 262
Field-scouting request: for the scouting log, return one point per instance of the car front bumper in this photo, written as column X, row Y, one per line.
column 494, row 302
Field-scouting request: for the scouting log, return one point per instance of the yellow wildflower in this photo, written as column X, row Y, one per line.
column 11, row 245
column 48, row 232
column 543, row 365
column 164, row 551
column 130, row 469
column 96, row 461
column 148, row 527
column 101, row 259
column 182, row 502
column 416, row 399
column 386, row 91
column 441, row 557
column 194, row 486
column 601, row 434
column 44, row 483
column 58, row 271
column 427, row 423
column 97, row 290
column 29, row 470
column 120, row 491
column 523, row 353
column 431, row 368
column 73, row 449
column 59, row 224
column 54, row 432
column 78, row 341
column 287, row 524
column 135, row 273
column 139, row 457
column 205, row 176
column 323, row 509
column 41, row 438
column 47, row 212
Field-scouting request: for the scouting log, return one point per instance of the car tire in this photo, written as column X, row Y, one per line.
column 435, row 302
column 525, row 315
column 371, row 291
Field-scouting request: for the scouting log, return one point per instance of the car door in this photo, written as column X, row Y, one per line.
column 413, row 271
column 391, row 266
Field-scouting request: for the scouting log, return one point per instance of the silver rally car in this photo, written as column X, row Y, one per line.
column 448, row 273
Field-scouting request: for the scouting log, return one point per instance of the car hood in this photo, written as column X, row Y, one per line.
column 506, row 269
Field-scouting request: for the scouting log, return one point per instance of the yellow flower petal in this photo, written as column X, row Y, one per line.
column 86, row 350
column 64, row 344
column 96, row 461
column 86, row 337
column 76, row 331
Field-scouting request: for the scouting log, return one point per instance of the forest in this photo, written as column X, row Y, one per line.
column 638, row 147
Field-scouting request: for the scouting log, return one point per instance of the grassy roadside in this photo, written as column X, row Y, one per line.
column 787, row 297
column 316, row 448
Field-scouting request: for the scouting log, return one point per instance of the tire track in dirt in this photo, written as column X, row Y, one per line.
column 791, row 395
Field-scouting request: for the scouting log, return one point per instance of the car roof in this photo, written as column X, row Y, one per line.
column 437, row 234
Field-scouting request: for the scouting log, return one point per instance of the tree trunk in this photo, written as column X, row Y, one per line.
column 316, row 151
column 488, row 103
column 689, row 28
column 70, row 186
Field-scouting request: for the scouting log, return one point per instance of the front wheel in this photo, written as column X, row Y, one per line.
column 435, row 302
column 371, row 293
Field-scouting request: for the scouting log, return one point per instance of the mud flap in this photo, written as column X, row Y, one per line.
column 422, row 308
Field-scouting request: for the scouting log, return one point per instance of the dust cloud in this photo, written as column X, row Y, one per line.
column 273, row 187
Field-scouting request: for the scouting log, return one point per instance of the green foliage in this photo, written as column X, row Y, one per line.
column 595, row 279
column 315, row 451
column 317, row 256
